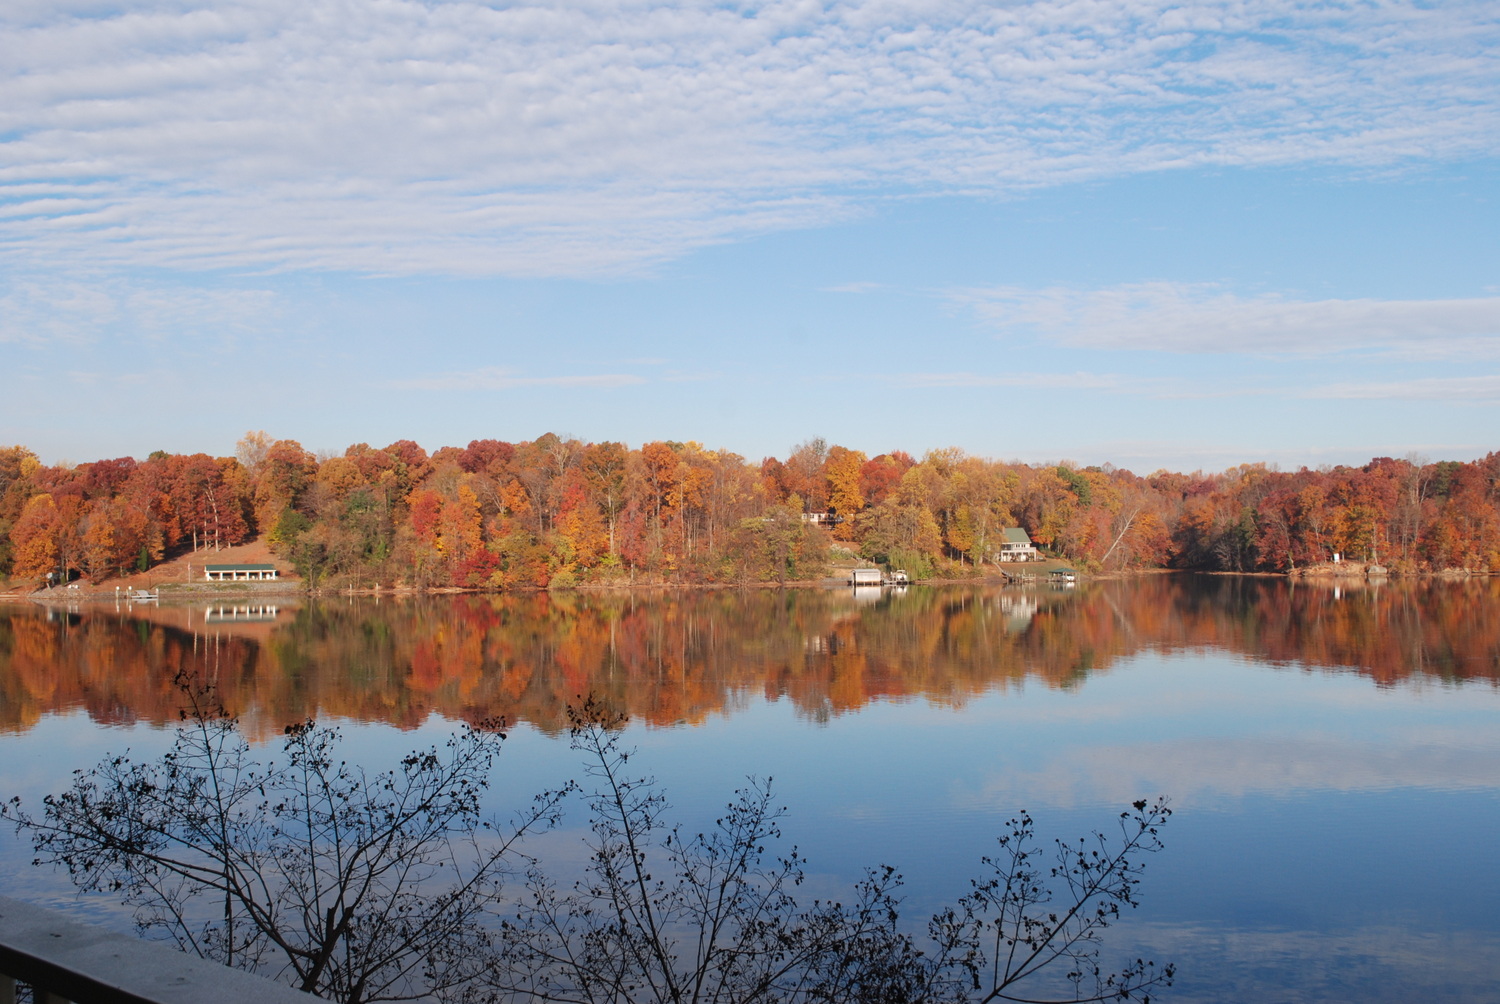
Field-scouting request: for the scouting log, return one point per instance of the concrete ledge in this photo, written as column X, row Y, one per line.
column 91, row 965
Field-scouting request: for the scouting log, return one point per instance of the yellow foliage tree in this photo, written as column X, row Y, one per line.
column 35, row 537
column 842, row 468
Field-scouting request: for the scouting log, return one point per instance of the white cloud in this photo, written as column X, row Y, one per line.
column 49, row 310
column 1375, row 959
column 1205, row 772
column 1032, row 381
column 572, row 137
column 495, row 378
column 1483, row 389
column 94, row 380
column 1173, row 317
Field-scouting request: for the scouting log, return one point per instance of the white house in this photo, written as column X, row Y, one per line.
column 1017, row 546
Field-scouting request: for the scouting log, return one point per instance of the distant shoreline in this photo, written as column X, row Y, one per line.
column 191, row 592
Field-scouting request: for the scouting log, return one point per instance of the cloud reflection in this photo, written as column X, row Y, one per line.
column 1209, row 773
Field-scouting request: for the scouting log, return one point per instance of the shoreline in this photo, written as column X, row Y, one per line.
column 296, row 589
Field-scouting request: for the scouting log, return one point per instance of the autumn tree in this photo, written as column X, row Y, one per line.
column 842, row 469
column 777, row 546
column 350, row 511
column 688, row 501
column 733, row 493
column 1046, row 502
column 410, row 462
column 103, row 479
column 284, row 475
column 1466, row 532
column 658, row 472
column 903, row 530
column 35, row 538
column 1415, row 486
column 17, row 465
column 603, row 467
column 251, row 450
column 425, row 519
column 584, row 534
column 803, row 474
column 210, row 501
column 880, row 475
column 462, row 533
column 537, row 465
column 487, row 456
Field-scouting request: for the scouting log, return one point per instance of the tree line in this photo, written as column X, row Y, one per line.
column 557, row 511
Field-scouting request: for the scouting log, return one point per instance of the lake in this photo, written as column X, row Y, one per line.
column 1331, row 751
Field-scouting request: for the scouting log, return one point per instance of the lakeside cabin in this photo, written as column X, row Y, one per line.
column 239, row 573
column 1017, row 546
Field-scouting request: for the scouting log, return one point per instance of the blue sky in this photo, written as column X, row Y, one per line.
column 1100, row 231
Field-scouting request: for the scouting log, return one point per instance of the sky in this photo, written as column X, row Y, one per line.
column 1099, row 231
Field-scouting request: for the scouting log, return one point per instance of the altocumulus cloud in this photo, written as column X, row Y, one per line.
column 578, row 137
column 47, row 309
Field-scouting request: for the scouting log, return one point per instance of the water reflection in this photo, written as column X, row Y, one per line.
column 241, row 613
column 1332, row 750
column 684, row 656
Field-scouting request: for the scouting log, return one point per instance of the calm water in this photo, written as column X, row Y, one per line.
column 1333, row 754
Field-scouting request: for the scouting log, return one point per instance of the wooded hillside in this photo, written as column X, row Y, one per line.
column 558, row 512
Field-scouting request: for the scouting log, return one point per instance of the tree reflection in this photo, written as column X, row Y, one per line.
column 680, row 657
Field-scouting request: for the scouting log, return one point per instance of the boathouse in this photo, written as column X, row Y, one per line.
column 239, row 573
